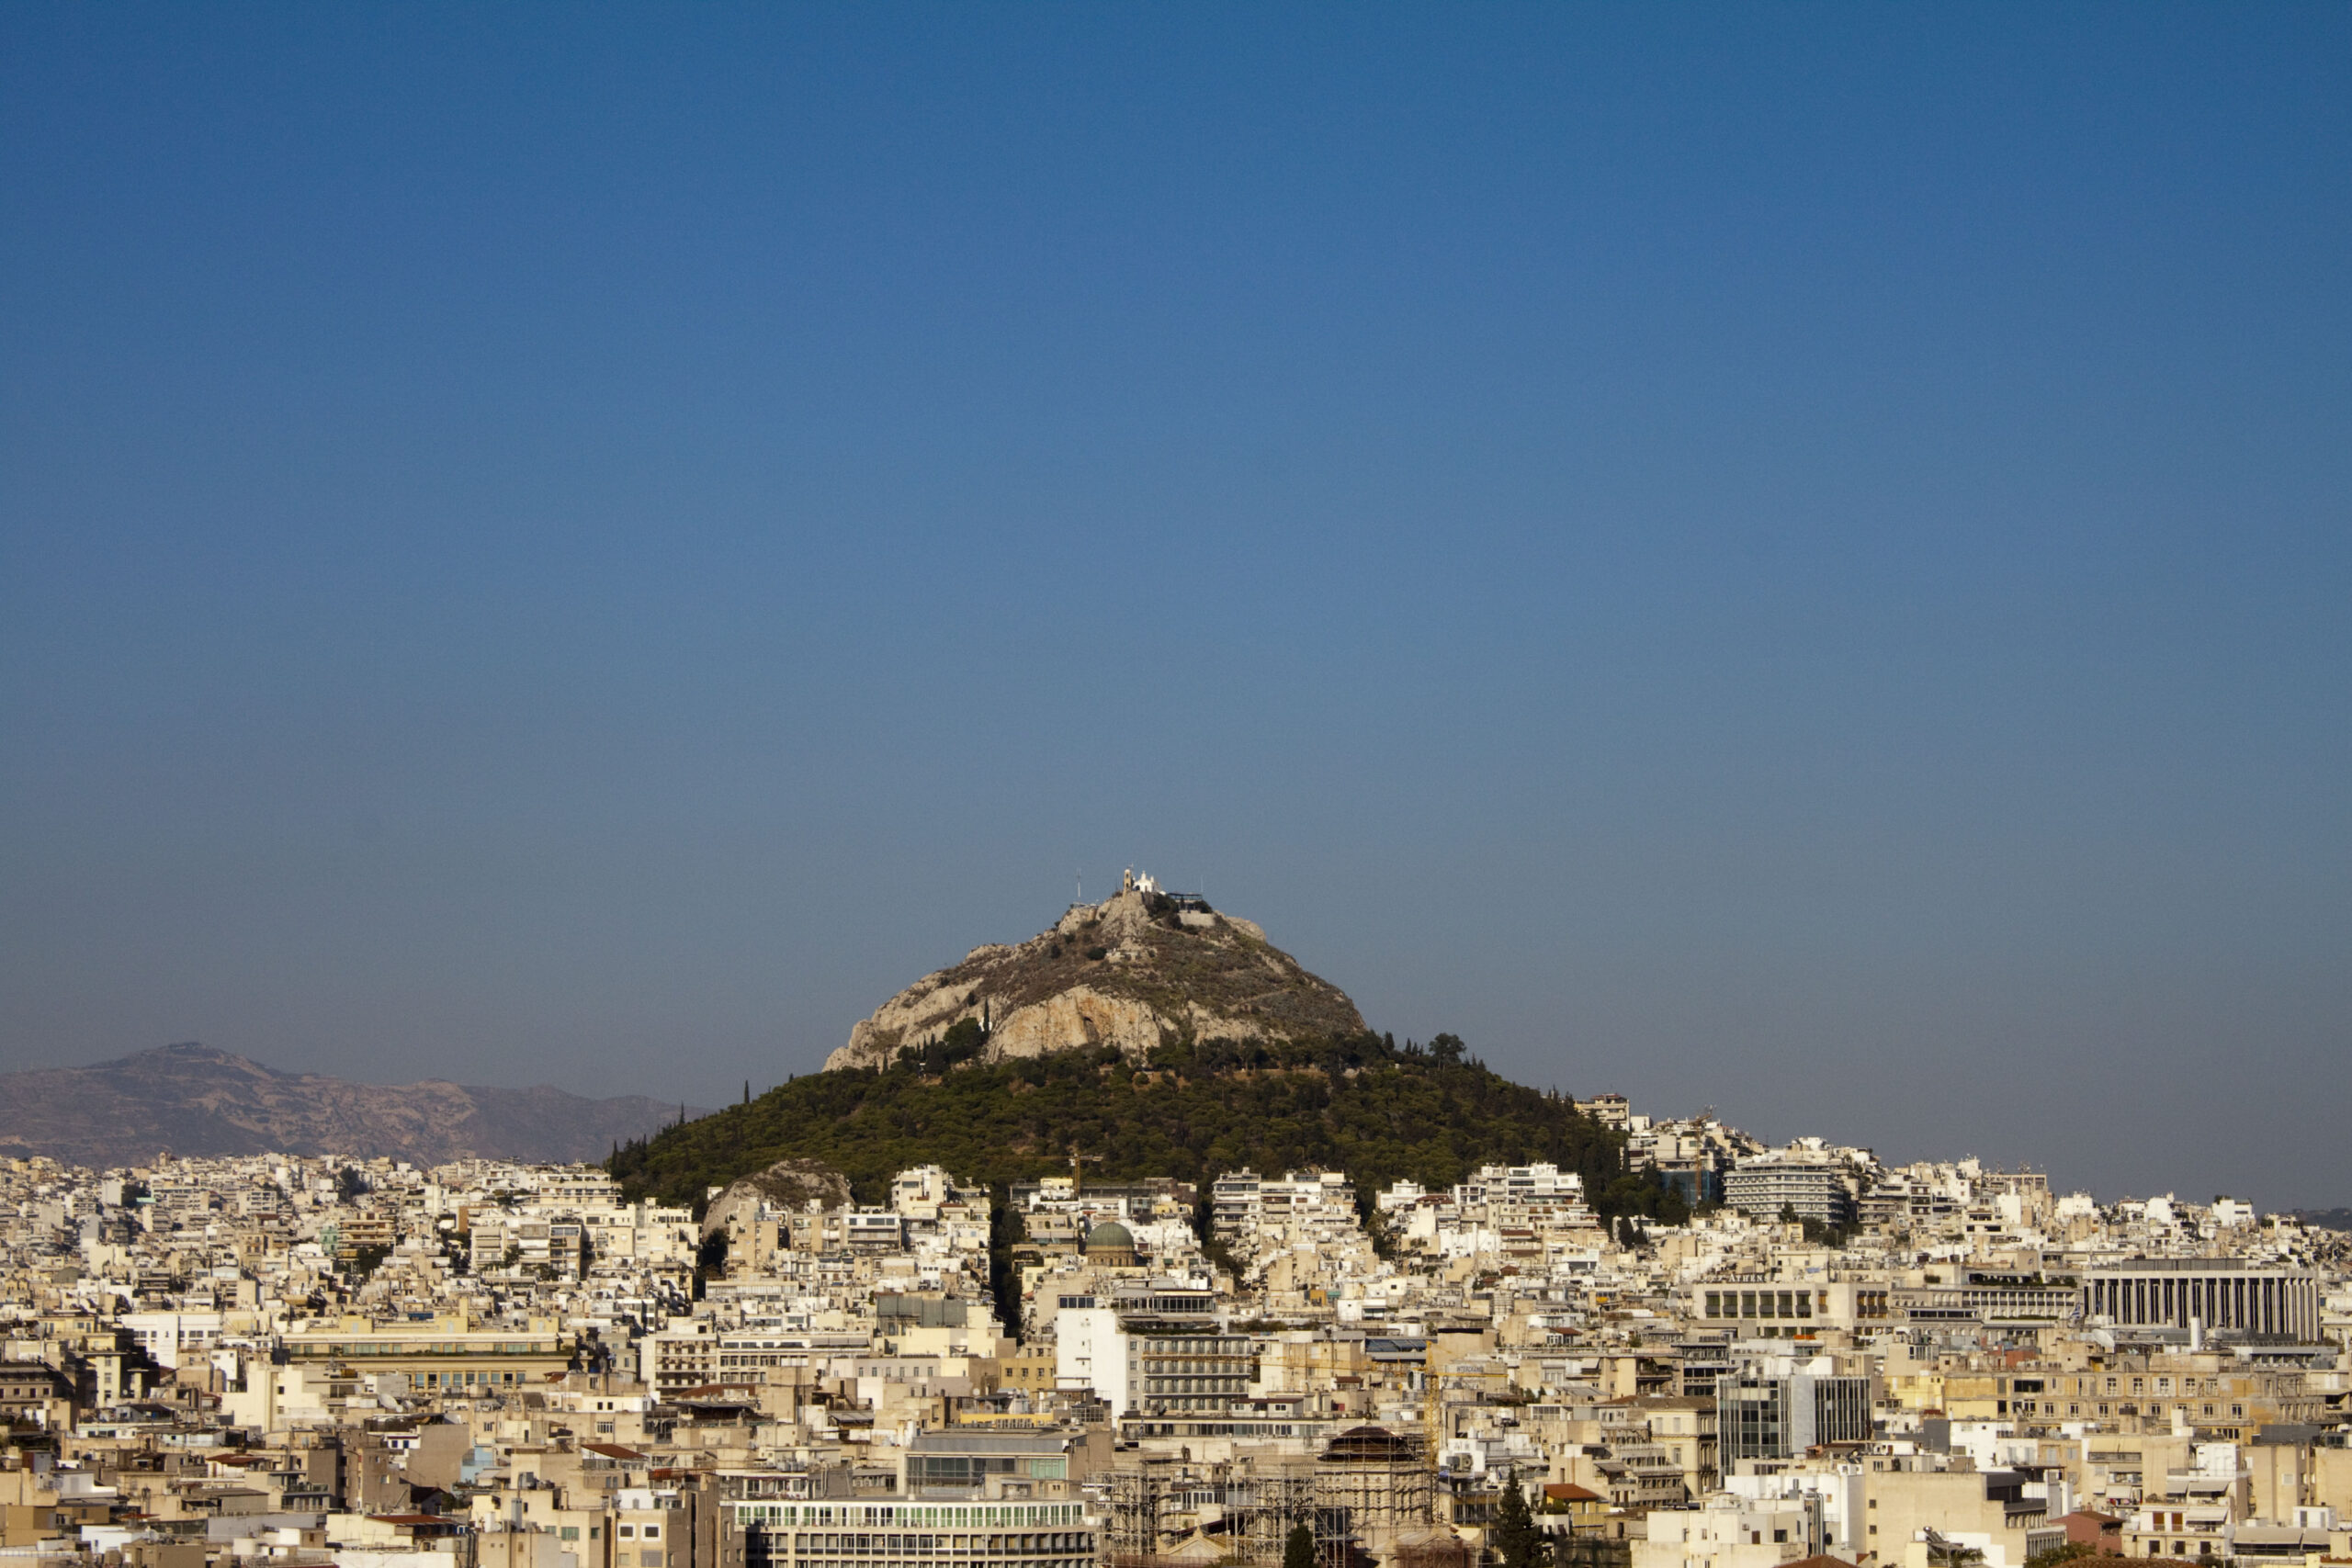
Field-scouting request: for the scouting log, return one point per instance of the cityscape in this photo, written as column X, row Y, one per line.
column 309, row 1359
column 1111, row 784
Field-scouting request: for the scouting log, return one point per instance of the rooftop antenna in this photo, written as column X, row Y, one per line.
column 1081, row 887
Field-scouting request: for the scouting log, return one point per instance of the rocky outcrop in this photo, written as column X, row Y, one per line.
column 1133, row 971
column 1080, row 1016
column 787, row 1184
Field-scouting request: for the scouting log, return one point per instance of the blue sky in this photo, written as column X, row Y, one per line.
column 1792, row 559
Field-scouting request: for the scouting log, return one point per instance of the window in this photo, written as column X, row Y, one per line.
column 653, row 1532
column 625, row 1532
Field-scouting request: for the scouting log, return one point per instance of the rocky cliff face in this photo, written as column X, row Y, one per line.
column 1132, row 971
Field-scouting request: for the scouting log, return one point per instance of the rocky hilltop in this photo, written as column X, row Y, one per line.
column 1140, row 969
column 194, row 1100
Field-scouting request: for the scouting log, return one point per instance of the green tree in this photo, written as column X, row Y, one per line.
column 1817, row 1233
column 1299, row 1548
column 2058, row 1554
column 1517, row 1538
column 1357, row 1104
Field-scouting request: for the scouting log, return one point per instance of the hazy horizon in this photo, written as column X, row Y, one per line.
column 1792, row 561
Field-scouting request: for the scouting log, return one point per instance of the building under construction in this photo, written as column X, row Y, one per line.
column 1367, row 1495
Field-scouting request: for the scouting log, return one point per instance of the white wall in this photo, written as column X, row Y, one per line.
column 1091, row 1351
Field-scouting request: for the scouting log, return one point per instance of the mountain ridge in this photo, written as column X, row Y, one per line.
column 196, row 1099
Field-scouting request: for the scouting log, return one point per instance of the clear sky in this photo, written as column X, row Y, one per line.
column 1792, row 559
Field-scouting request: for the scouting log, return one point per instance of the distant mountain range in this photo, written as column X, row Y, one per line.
column 193, row 1099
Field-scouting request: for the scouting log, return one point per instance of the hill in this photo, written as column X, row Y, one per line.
column 1193, row 1111
column 193, row 1099
column 1138, row 971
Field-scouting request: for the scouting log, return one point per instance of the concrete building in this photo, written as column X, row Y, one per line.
column 2223, row 1295
column 1815, row 1186
column 1912, row 1505
column 985, row 1534
column 1765, row 1414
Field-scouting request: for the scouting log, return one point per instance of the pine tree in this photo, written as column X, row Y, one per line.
column 1517, row 1538
column 1299, row 1548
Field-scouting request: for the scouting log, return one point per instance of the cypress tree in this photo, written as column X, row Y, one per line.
column 1516, row 1540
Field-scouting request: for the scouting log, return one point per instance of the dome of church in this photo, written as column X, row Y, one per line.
column 1110, row 1237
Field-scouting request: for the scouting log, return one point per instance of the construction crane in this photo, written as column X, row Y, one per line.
column 1433, row 1403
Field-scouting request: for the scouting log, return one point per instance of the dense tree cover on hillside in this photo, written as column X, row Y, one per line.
column 1364, row 1105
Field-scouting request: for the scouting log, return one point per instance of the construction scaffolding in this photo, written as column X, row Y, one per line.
column 1248, row 1513
column 1355, row 1500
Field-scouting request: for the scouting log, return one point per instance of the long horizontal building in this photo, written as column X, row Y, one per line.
column 985, row 1534
column 1810, row 1187
column 2223, row 1294
column 447, row 1353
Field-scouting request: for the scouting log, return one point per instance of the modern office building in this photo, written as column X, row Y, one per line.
column 1765, row 1415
